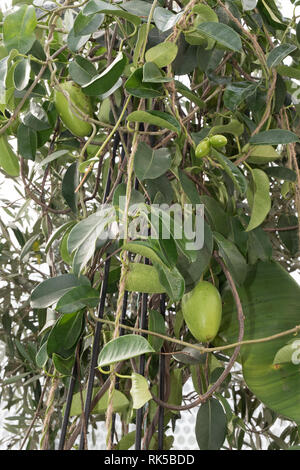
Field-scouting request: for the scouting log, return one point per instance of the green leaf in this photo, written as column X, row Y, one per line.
column 36, row 118
column 274, row 137
column 271, row 301
column 50, row 291
column 27, row 248
column 81, row 70
column 123, row 348
column 289, row 353
column 157, row 118
column 63, row 365
column 162, row 54
column 22, row 74
column 84, row 235
column 223, row 34
column 187, row 93
column 281, row 173
column 249, row 4
column 236, row 93
column 99, row 6
column 137, row 87
column 56, row 233
column 119, row 401
column 53, row 156
column 165, row 19
column 259, row 198
column 290, row 238
column 76, row 42
column 69, row 185
column 232, row 257
column 234, row 127
column 18, row 29
column 42, row 356
column 172, row 281
column 149, row 163
column 279, row 53
column 64, row 334
column 148, row 249
column 87, row 24
column 287, row 71
column 139, row 391
column 102, row 83
column 232, row 171
column 27, row 142
column 190, row 355
column 211, row 425
column 77, row 299
column 218, row 218
column 156, row 323
column 153, row 74
column 262, row 154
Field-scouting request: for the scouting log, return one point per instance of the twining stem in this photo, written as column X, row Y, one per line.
column 124, row 269
column 203, row 349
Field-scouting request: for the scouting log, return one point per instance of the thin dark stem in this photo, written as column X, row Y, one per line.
column 162, row 364
column 223, row 376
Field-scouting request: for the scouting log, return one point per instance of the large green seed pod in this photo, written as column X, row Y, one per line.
column 202, row 311
column 9, row 161
column 69, row 117
column 143, row 278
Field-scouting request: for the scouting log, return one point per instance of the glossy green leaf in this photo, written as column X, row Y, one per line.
column 187, row 93
column 51, row 290
column 87, row 24
column 281, row 173
column 223, row 34
column 36, row 118
column 156, row 118
column 65, row 334
column 162, row 54
column 53, row 156
column 211, row 425
column 139, row 391
column 153, row 74
column 279, row 53
column 275, row 309
column 27, row 142
column 149, row 163
column 119, row 400
column 259, row 198
column 137, row 87
column 165, row 19
column 290, row 238
column 63, row 365
column 99, row 6
column 232, row 171
column 156, row 323
column 102, row 83
column 69, row 184
column 232, row 257
column 274, row 137
column 122, row 348
column 81, row 70
column 18, row 29
column 77, row 299
column 22, row 74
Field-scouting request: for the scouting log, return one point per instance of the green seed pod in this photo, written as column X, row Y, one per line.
column 75, row 124
column 203, row 148
column 143, row 278
column 218, row 141
column 202, row 311
column 9, row 161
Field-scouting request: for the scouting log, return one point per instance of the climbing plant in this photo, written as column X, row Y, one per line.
column 149, row 155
